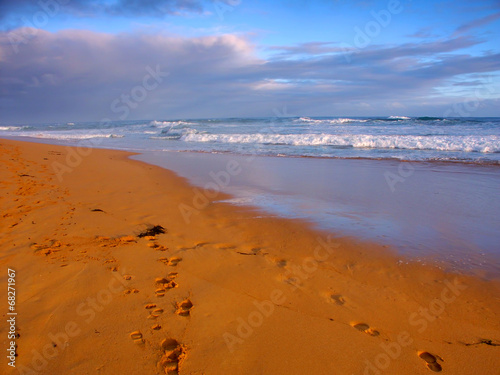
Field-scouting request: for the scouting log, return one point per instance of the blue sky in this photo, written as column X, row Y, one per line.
column 248, row 58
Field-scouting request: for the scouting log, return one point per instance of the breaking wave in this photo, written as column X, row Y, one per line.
column 488, row 144
column 309, row 120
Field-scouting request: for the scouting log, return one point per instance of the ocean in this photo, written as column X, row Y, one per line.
column 467, row 140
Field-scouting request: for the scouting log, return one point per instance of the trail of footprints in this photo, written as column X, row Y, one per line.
column 172, row 353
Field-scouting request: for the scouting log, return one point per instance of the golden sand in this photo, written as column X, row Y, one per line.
column 224, row 290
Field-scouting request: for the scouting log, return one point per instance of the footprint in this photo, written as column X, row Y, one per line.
column 184, row 307
column 173, row 355
column 156, row 327
column 338, row 299
column 136, row 336
column 225, row 246
column 160, row 292
column 150, row 306
column 133, row 290
column 174, row 261
column 363, row 327
column 431, row 361
column 172, row 284
column 155, row 314
column 127, row 239
column 165, row 283
column 281, row 263
column 293, row 281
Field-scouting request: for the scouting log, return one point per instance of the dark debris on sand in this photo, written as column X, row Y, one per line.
column 152, row 231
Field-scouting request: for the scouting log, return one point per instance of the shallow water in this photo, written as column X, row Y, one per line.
column 440, row 212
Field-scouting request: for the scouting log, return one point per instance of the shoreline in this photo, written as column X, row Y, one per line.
column 322, row 304
column 77, row 142
column 430, row 213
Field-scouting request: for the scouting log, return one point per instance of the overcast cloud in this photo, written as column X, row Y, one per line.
column 78, row 75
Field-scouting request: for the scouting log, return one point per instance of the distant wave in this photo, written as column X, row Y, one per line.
column 14, row 128
column 68, row 136
column 425, row 118
column 399, row 118
column 488, row 144
column 168, row 137
column 309, row 120
column 167, row 124
column 10, row 128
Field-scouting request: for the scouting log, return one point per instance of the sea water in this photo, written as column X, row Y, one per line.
column 474, row 140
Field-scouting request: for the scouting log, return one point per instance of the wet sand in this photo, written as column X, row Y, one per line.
column 123, row 267
column 444, row 213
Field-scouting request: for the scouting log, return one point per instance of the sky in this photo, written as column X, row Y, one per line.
column 81, row 60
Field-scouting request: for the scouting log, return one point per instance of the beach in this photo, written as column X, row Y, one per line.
column 125, row 267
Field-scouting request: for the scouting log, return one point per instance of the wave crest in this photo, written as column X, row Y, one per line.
column 309, row 120
column 490, row 144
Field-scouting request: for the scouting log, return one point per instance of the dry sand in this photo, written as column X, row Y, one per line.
column 229, row 292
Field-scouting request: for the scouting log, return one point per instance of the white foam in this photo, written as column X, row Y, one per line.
column 485, row 144
column 10, row 128
column 329, row 122
column 69, row 136
column 399, row 118
column 167, row 124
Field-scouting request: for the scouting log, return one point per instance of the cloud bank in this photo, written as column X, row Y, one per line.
column 78, row 75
